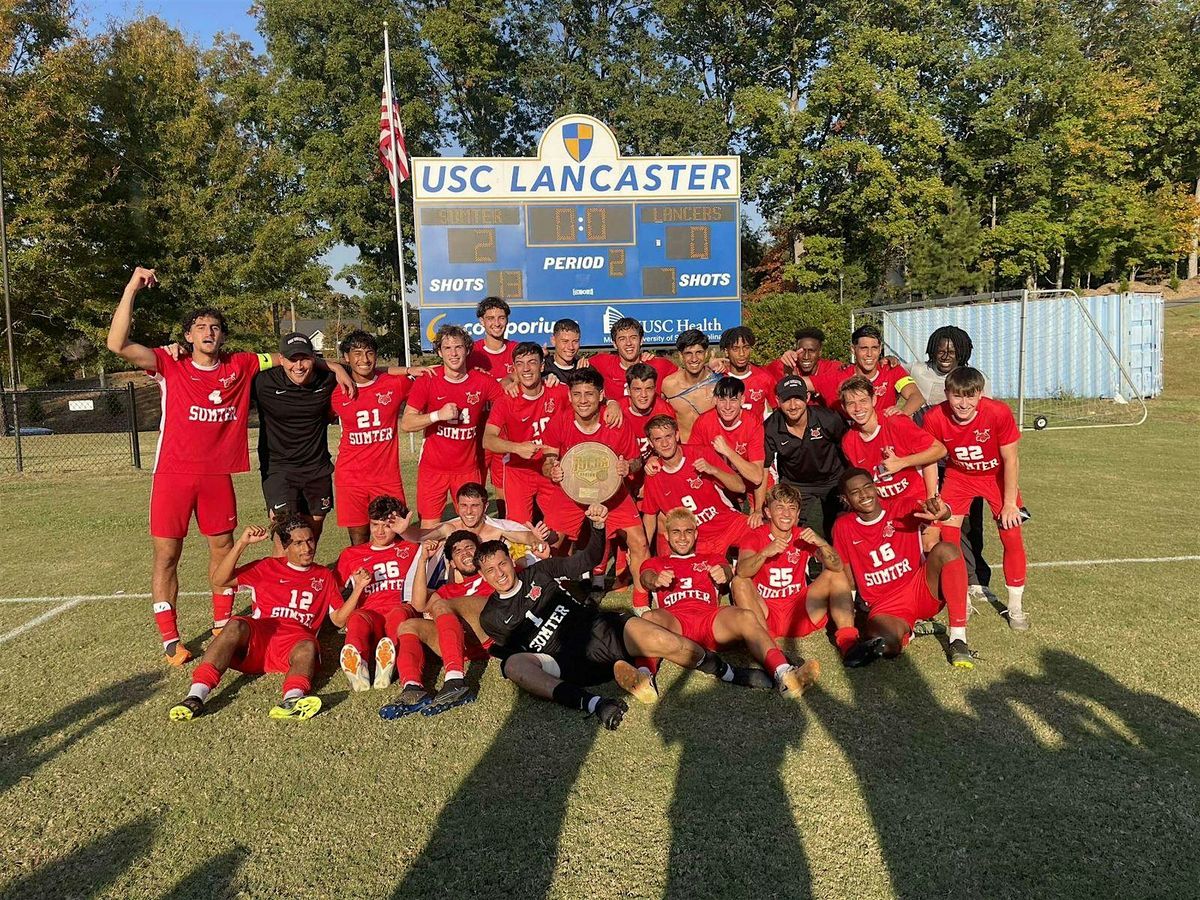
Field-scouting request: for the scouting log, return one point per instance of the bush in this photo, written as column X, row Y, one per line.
column 776, row 317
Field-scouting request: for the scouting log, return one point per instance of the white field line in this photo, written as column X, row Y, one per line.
column 1105, row 562
column 83, row 598
column 44, row 617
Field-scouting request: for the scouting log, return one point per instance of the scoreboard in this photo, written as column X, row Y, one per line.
column 580, row 232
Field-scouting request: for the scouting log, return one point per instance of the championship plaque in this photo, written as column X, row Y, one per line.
column 590, row 473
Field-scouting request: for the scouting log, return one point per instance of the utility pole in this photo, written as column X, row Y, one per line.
column 8, row 322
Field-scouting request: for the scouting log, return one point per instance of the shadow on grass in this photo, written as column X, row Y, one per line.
column 213, row 879
column 88, row 871
column 22, row 753
column 733, row 834
column 1064, row 783
column 498, row 836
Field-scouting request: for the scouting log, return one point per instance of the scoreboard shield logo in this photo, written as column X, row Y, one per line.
column 577, row 138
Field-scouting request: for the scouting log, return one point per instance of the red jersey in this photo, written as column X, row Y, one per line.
column 389, row 567
column 297, row 596
column 885, row 381
column 745, row 437
column 496, row 363
column 204, row 413
column 825, row 383
column 973, row 448
column 368, row 453
column 692, row 584
column 454, row 446
column 666, row 490
column 885, row 554
column 902, row 436
column 474, row 586
column 785, row 574
column 760, row 390
column 614, row 371
column 637, row 421
column 523, row 418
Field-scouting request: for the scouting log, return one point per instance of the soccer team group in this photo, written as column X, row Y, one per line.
column 805, row 490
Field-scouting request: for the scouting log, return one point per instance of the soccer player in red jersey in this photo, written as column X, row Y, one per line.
column 640, row 404
column 772, row 572
column 584, row 423
column 902, row 456
column 389, row 558
column 492, row 354
column 895, row 391
column 450, row 407
column 202, row 441
column 291, row 598
column 806, row 360
column 738, row 343
column 626, row 337
column 898, row 582
column 695, row 478
column 981, row 437
column 687, row 587
column 734, row 432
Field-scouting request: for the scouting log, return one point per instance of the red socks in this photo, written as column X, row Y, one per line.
column 206, row 674
column 950, row 534
column 648, row 663
column 222, row 607
column 774, row 660
column 450, row 642
column 952, row 583
column 845, row 638
column 164, row 618
column 358, row 635
column 410, row 657
column 1015, row 562
column 301, row 683
column 641, row 598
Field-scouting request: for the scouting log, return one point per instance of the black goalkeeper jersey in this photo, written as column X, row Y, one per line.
column 541, row 616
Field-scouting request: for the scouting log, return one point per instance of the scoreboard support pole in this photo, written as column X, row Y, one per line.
column 387, row 66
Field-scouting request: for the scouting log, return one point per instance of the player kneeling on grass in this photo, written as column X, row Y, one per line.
column 291, row 597
column 554, row 646
column 898, row 583
column 772, row 571
column 981, row 437
column 687, row 587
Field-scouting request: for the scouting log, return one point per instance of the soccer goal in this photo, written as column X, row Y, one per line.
column 1060, row 360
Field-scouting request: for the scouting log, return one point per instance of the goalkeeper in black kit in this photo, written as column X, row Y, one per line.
column 554, row 646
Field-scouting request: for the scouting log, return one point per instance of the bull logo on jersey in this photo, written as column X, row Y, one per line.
column 793, row 556
column 740, row 448
column 550, row 406
column 695, row 483
column 535, row 592
column 889, row 529
column 227, row 380
column 815, row 433
column 983, row 435
column 403, row 552
column 577, row 138
column 756, row 395
column 215, row 398
column 699, row 566
column 473, row 397
column 384, row 399
column 318, row 585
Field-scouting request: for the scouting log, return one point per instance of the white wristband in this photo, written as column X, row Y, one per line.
column 435, row 416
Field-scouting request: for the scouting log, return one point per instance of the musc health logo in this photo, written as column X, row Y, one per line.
column 577, row 138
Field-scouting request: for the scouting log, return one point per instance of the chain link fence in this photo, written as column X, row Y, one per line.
column 79, row 429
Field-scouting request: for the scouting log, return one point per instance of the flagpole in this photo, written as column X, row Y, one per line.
column 387, row 70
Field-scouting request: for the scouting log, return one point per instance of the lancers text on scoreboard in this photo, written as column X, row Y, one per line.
column 580, row 231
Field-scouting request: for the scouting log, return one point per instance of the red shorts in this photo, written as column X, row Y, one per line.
column 787, row 617
column 959, row 490
column 493, row 464
column 696, row 620
column 913, row 601
column 522, row 487
column 354, row 498
column 566, row 516
column 434, row 484
column 720, row 543
column 173, row 499
column 271, row 644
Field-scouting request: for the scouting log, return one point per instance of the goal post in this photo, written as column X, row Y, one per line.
column 1060, row 360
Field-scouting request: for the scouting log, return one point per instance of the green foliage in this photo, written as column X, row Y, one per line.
column 946, row 254
column 776, row 317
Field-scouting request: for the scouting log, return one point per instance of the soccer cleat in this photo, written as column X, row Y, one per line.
column 752, row 677
column 961, row 656
column 864, row 653
column 975, row 592
column 385, row 663
column 454, row 693
column 179, row 656
column 1018, row 621
column 611, row 712
column 635, row 681
column 297, row 708
column 798, row 679
column 413, row 699
column 927, row 627
column 355, row 669
column 186, row 709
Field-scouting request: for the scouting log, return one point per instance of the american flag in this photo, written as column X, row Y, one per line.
column 391, row 130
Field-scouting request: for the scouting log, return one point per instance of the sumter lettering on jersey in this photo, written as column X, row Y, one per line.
column 884, row 554
column 284, row 592
column 367, row 452
column 973, row 448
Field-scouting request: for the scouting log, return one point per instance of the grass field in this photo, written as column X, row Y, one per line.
column 1067, row 764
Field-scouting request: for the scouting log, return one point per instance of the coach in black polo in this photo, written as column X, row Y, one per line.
column 804, row 448
column 293, row 402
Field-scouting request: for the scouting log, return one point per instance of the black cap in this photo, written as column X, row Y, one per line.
column 295, row 344
column 791, row 386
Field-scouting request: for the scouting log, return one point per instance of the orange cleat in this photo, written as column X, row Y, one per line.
column 181, row 656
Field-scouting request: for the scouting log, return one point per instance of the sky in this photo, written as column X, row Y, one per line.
column 198, row 19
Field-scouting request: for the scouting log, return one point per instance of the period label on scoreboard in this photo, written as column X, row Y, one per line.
column 580, row 231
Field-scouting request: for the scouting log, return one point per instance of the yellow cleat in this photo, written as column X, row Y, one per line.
column 297, row 708
column 187, row 709
column 635, row 681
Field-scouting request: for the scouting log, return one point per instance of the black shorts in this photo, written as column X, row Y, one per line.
column 590, row 659
column 298, row 492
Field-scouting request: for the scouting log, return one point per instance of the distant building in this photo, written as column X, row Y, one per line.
column 324, row 333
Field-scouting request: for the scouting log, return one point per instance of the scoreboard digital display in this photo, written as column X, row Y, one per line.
column 580, row 232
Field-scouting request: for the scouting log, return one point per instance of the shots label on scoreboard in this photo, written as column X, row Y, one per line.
column 577, row 226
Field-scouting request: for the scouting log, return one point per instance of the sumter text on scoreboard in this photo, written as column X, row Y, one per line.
column 580, row 231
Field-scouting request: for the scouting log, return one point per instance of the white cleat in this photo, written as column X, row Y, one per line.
column 385, row 663
column 1018, row 621
column 355, row 669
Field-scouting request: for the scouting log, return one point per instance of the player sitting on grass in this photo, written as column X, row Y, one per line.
column 554, row 646
column 772, row 572
column 687, row 586
column 881, row 546
column 981, row 436
column 389, row 558
column 291, row 598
